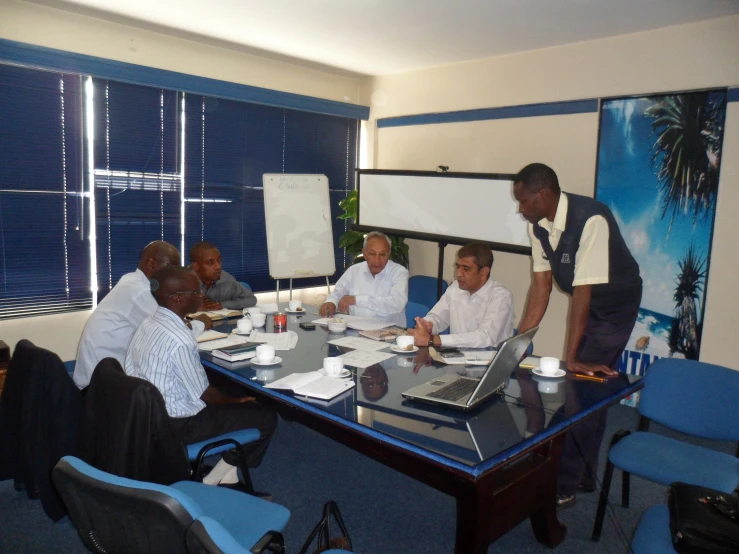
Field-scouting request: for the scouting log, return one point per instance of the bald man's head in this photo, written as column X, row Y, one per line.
column 178, row 289
column 156, row 255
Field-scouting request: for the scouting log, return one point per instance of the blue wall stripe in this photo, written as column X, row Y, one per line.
column 507, row 112
column 48, row 58
column 733, row 95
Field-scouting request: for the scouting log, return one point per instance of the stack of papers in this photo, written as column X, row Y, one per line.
column 215, row 315
column 464, row 357
column 312, row 384
column 388, row 334
column 355, row 322
column 230, row 340
column 210, row 334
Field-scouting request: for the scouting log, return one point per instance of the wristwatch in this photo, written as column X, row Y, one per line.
column 431, row 340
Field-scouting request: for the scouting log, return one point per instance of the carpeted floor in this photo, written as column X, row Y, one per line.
column 386, row 512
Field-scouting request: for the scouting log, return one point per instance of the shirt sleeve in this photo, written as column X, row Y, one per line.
column 342, row 287
column 392, row 303
column 185, row 363
column 197, row 328
column 237, row 296
column 537, row 253
column 439, row 316
column 591, row 261
column 496, row 325
column 142, row 306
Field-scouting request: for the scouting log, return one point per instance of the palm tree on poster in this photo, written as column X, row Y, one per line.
column 687, row 151
column 685, row 332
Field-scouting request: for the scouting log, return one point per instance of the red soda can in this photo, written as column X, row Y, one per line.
column 280, row 322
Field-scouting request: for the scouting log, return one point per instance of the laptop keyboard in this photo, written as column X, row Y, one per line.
column 456, row 390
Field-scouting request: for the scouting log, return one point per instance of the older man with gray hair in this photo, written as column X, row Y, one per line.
column 376, row 288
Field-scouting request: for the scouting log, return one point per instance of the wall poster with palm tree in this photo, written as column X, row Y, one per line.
column 658, row 171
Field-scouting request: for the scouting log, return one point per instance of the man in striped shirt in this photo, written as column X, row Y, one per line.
column 164, row 352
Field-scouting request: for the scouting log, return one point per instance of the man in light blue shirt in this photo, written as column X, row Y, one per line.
column 376, row 288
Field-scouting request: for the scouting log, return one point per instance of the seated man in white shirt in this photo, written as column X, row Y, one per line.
column 477, row 310
column 109, row 329
column 164, row 352
column 376, row 288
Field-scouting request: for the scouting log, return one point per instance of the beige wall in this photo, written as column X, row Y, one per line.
column 680, row 58
column 52, row 28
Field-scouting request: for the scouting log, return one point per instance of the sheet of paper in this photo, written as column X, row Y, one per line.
column 364, row 358
column 210, row 334
column 294, row 381
column 280, row 341
column 355, row 322
column 230, row 340
column 359, row 343
column 223, row 313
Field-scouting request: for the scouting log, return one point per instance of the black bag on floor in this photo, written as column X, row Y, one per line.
column 325, row 539
column 703, row 521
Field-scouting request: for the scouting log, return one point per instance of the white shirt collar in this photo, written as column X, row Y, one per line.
column 560, row 218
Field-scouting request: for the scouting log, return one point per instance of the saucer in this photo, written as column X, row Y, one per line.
column 344, row 373
column 237, row 332
column 403, row 350
column 558, row 373
column 296, row 312
column 275, row 360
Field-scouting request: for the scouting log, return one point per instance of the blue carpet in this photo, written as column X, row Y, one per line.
column 385, row 511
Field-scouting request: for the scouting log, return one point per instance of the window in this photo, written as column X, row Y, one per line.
column 44, row 246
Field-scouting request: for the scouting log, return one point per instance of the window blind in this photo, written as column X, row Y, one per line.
column 44, row 246
column 136, row 152
column 229, row 145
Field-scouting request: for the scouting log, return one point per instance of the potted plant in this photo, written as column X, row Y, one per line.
column 352, row 241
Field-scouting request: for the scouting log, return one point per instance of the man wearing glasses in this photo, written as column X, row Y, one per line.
column 109, row 329
column 164, row 352
column 477, row 310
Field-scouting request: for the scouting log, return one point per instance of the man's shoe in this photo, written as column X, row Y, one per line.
column 565, row 501
column 587, row 487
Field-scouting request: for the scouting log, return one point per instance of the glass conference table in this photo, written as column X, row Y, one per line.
column 499, row 462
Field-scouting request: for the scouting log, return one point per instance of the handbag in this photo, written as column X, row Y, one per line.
column 322, row 532
column 702, row 520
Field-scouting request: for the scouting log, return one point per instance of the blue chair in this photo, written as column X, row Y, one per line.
column 69, row 366
column 246, row 285
column 691, row 397
column 653, row 536
column 115, row 514
column 412, row 311
column 422, row 289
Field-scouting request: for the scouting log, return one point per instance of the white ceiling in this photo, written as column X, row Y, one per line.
column 378, row 37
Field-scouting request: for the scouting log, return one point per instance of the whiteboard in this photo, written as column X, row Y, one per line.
column 462, row 207
column 300, row 239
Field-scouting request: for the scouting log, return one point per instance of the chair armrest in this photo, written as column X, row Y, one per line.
column 240, row 437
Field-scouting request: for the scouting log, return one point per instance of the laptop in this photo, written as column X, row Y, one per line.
column 465, row 393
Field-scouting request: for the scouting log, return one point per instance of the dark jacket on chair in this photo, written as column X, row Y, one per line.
column 126, row 430
column 40, row 411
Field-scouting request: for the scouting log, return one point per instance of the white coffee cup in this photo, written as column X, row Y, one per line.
column 244, row 325
column 258, row 320
column 254, row 310
column 404, row 341
column 548, row 365
column 333, row 366
column 265, row 353
column 294, row 305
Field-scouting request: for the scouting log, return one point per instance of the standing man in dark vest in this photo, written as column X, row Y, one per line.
column 575, row 241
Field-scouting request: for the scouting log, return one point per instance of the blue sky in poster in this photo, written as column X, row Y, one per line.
column 628, row 185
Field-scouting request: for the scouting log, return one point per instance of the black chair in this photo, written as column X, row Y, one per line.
column 40, row 413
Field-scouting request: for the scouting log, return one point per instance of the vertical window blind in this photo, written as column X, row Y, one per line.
column 44, row 250
column 164, row 165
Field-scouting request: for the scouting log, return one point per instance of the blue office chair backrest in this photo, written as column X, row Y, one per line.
column 692, row 397
column 114, row 513
column 422, row 289
column 246, row 285
column 412, row 311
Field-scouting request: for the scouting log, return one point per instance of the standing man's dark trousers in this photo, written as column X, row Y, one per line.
column 605, row 338
column 216, row 419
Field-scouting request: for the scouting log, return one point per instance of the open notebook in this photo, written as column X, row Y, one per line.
column 312, row 384
column 215, row 315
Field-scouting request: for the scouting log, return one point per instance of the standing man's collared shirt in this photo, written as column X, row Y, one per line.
column 164, row 352
column 477, row 320
column 383, row 296
column 230, row 293
column 111, row 326
column 591, row 261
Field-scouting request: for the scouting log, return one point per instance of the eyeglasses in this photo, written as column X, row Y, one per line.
column 200, row 292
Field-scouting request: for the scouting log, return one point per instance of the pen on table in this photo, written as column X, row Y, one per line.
column 589, row 377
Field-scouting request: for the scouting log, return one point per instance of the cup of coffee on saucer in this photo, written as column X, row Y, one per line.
column 244, row 326
column 549, row 367
column 295, row 305
column 405, row 342
column 333, row 367
column 258, row 319
column 265, row 353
